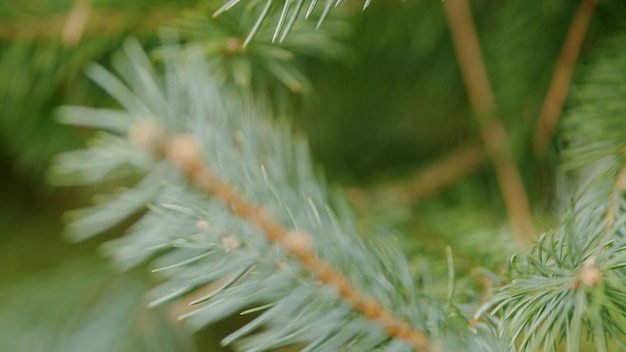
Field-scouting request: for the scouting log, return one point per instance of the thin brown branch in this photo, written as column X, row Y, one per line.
column 76, row 23
column 436, row 176
column 561, row 78
column 493, row 133
column 426, row 183
column 101, row 23
column 185, row 151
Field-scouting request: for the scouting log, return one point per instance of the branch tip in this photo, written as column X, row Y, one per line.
column 298, row 242
column 202, row 224
column 185, row 151
column 590, row 275
column 230, row 243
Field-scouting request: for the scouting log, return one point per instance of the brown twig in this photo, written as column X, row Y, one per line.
column 185, row 151
column 427, row 182
column 616, row 192
column 562, row 76
column 435, row 176
column 76, row 23
column 100, row 23
column 492, row 131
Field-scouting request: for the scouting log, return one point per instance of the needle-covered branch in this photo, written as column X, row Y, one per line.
column 234, row 203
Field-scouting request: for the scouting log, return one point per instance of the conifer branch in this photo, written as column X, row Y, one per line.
column 567, row 289
column 559, row 86
column 328, row 290
column 289, row 15
column 185, row 151
column 492, row 131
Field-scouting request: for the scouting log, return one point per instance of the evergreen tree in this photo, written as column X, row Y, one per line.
column 476, row 159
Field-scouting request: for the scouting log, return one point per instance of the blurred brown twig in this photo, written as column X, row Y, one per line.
column 562, row 76
column 492, row 131
column 76, row 23
column 100, row 23
column 435, row 176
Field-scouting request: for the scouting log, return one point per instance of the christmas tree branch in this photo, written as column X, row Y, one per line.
column 559, row 86
column 186, row 151
column 241, row 185
column 493, row 133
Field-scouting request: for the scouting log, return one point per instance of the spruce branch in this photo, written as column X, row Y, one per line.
column 185, row 151
column 289, row 15
column 221, row 41
column 317, row 284
column 559, row 86
column 568, row 288
column 492, row 131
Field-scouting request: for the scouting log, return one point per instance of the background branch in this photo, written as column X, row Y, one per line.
column 562, row 76
column 492, row 131
column 434, row 177
column 76, row 23
column 101, row 23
